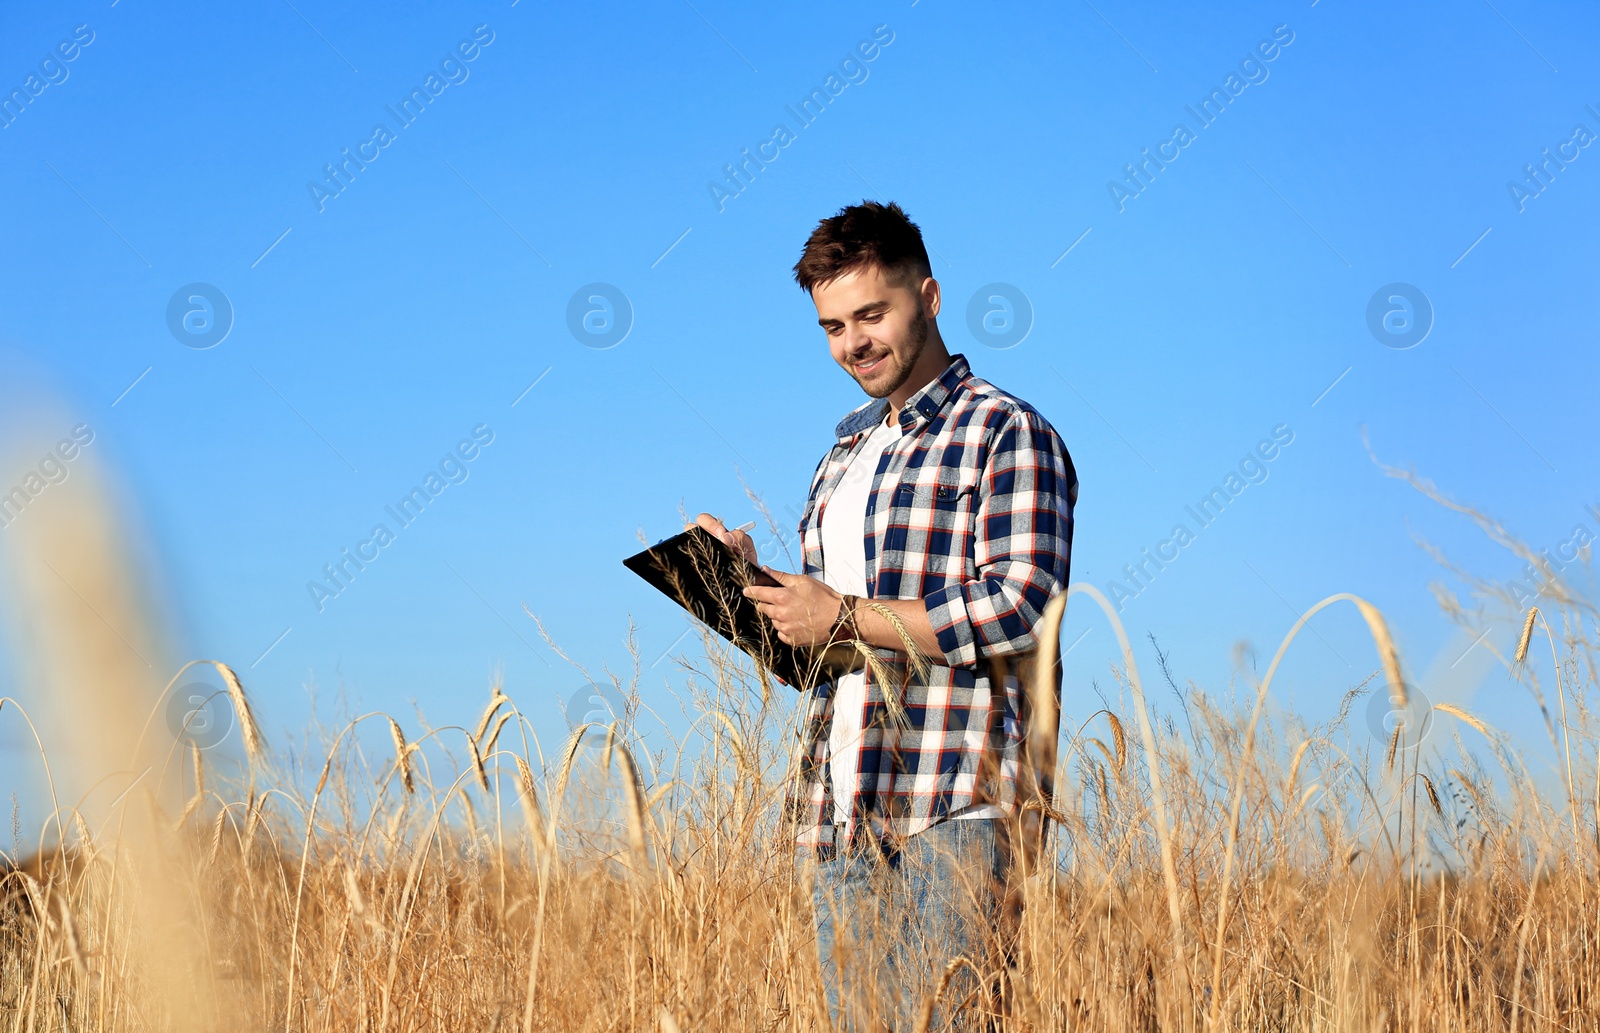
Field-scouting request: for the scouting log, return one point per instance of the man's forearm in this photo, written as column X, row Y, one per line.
column 875, row 629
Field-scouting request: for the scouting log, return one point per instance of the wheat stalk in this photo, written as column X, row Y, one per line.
column 199, row 787
column 252, row 812
column 1158, row 792
column 633, row 794
column 1397, row 692
column 956, row 964
column 69, row 933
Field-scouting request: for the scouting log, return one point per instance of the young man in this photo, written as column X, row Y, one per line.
column 946, row 505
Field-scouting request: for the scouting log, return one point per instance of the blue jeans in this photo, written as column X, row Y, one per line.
column 889, row 923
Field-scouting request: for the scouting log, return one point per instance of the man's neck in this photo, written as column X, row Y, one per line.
column 930, row 364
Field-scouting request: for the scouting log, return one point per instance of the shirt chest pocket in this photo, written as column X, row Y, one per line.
column 938, row 515
column 928, row 535
column 948, row 494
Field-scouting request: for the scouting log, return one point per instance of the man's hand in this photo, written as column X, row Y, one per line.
column 803, row 609
column 738, row 540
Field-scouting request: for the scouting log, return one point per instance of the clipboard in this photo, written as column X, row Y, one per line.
column 700, row 573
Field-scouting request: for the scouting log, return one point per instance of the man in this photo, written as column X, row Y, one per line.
column 944, row 507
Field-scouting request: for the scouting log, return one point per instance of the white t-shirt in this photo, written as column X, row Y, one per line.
column 844, row 569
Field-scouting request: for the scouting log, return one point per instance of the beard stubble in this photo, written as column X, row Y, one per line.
column 902, row 368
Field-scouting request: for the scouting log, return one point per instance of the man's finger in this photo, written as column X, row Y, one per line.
column 742, row 543
column 784, row 578
column 710, row 523
column 764, row 593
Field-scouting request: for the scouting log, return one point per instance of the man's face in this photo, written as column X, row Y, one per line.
column 876, row 330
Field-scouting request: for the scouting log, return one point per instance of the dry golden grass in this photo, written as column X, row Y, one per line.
column 1232, row 871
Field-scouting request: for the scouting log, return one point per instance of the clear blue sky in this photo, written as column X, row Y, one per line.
column 374, row 328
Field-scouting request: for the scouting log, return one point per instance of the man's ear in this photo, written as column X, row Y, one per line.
column 930, row 297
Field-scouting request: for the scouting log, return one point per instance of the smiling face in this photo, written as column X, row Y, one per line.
column 879, row 333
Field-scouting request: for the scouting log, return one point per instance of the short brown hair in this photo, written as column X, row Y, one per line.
column 863, row 234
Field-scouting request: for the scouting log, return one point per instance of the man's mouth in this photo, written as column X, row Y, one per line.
column 870, row 367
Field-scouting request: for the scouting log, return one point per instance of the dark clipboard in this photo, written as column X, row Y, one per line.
column 698, row 572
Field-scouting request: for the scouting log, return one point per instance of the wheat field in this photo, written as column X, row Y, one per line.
column 1240, row 869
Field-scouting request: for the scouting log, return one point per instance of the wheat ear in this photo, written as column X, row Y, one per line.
column 402, row 755
column 477, row 764
column 1433, row 794
column 634, row 794
column 494, row 733
column 881, row 675
column 1527, row 636
column 496, row 701
column 918, row 662
column 249, row 731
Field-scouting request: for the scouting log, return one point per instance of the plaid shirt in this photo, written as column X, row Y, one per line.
column 971, row 512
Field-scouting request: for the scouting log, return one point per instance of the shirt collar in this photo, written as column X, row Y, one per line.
column 919, row 408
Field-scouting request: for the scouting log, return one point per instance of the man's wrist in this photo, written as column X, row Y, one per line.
column 844, row 624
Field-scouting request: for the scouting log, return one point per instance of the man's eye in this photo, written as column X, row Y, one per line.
column 872, row 318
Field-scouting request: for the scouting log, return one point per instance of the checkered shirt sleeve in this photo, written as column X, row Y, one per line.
column 1024, row 525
